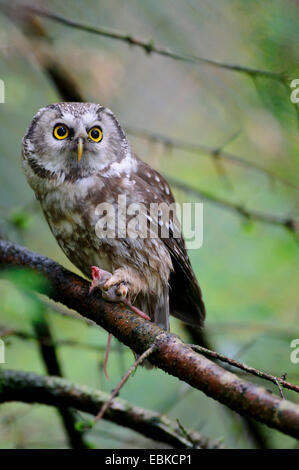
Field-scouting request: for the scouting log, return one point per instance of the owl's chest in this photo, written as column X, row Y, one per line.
column 70, row 215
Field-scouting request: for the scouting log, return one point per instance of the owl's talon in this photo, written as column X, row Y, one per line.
column 115, row 293
column 113, row 289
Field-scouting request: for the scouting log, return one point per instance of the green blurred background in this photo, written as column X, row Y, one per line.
column 247, row 270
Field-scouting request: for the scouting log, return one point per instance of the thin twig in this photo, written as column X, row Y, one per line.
column 69, row 90
column 150, row 48
column 255, row 432
column 251, row 370
column 6, row 332
column 289, row 223
column 116, row 391
column 66, row 312
column 214, row 153
column 185, row 433
column 275, row 329
column 280, row 389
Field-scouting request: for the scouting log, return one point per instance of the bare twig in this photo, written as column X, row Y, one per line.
column 214, row 153
column 255, row 432
column 171, row 354
column 123, row 381
column 6, row 332
column 150, row 48
column 251, row 370
column 70, row 91
column 289, row 223
column 185, row 432
column 55, row 391
column 275, row 328
column 280, row 389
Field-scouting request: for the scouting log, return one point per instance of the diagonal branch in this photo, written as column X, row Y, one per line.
column 150, row 48
column 69, row 91
column 170, row 354
column 29, row 387
column 8, row 332
column 289, row 223
column 215, row 153
column 250, row 370
column 124, row 379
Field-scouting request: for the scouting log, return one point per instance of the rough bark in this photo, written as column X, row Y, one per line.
column 171, row 354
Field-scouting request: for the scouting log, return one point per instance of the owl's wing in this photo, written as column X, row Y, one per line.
column 186, row 301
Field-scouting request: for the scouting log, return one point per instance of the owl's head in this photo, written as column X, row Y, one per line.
column 73, row 140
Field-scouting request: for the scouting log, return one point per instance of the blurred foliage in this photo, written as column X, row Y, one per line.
column 248, row 271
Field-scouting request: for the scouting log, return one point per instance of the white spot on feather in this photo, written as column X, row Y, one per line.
column 127, row 165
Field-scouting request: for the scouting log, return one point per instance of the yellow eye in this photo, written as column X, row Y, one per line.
column 95, row 134
column 60, row 131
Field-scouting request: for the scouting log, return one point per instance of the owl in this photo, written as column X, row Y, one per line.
column 76, row 157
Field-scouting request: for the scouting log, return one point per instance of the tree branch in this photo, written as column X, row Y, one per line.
column 289, row 223
column 250, row 370
column 70, row 91
column 170, row 354
column 6, row 331
column 29, row 387
column 214, row 153
column 49, row 355
column 150, row 48
column 256, row 432
column 124, row 379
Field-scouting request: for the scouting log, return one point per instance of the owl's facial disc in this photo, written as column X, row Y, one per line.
column 77, row 138
column 74, row 140
column 62, row 132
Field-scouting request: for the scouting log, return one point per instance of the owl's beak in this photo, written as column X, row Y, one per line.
column 80, row 148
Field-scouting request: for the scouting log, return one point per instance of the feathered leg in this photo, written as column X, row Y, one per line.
column 161, row 313
column 158, row 308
